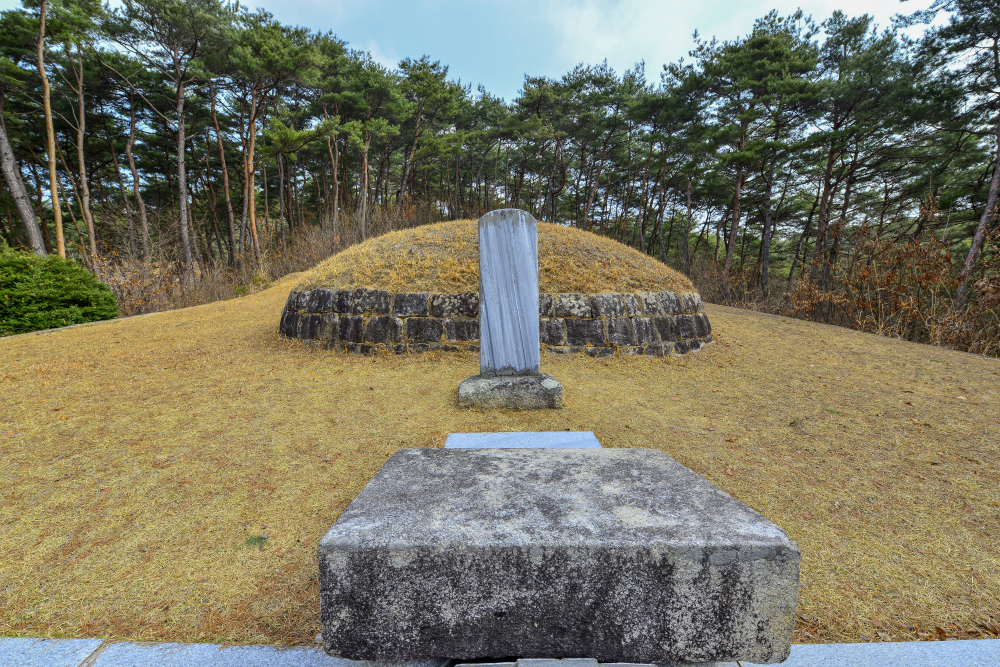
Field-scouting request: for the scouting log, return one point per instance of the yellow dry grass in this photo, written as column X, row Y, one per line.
column 139, row 455
column 444, row 257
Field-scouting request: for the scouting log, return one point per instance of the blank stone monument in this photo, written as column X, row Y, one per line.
column 509, row 375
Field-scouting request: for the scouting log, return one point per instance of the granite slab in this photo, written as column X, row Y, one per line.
column 524, row 440
column 620, row 555
column 957, row 653
column 137, row 654
column 29, row 652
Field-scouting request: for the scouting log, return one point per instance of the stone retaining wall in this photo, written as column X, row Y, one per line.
column 366, row 320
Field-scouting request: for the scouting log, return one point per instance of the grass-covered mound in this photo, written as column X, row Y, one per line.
column 39, row 293
column 444, row 258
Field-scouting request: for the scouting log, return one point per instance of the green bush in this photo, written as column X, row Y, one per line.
column 47, row 292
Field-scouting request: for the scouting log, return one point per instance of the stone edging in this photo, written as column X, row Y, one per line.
column 366, row 320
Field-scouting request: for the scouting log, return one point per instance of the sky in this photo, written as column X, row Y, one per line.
column 497, row 42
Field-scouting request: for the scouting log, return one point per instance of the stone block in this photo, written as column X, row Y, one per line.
column 645, row 332
column 687, row 326
column 510, row 392
column 649, row 303
column 585, row 332
column 545, row 305
column 424, row 329
column 702, row 325
column 571, row 305
column 620, row 331
column 289, row 326
column 309, row 326
column 411, row 304
column 343, row 301
column 618, row 555
column 607, row 305
column 524, row 440
column 692, row 303
column 384, row 330
column 465, row 304
column 682, row 347
column 329, row 326
column 373, row 301
column 667, row 328
column 303, row 300
column 350, row 329
column 461, row 330
column 599, row 352
column 293, row 299
column 320, row 301
column 631, row 305
column 552, row 331
column 669, row 302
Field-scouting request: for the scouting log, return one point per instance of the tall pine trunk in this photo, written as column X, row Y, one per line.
column 50, row 136
column 12, row 175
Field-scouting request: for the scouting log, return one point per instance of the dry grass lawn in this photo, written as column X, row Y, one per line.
column 139, row 457
column 444, row 257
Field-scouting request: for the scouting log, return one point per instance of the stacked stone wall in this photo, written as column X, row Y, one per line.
column 367, row 320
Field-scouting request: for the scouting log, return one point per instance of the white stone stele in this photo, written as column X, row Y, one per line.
column 508, row 293
column 509, row 369
column 524, row 440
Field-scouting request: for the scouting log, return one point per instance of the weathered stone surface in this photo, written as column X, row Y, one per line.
column 350, row 329
column 329, row 326
column 669, row 302
column 687, row 326
column 320, row 301
column 645, row 332
column 518, row 392
column 545, row 305
column 682, row 347
column 524, row 440
column 465, row 304
column 620, row 331
column 552, row 331
column 571, row 305
column 308, row 326
column 692, row 303
column 599, row 351
column 703, row 326
column 303, row 300
column 289, row 326
column 410, row 304
column 508, row 293
column 584, row 332
column 649, row 303
column 424, row 329
column 461, row 330
column 607, row 305
column 385, row 330
column 374, row 301
column 631, row 305
column 293, row 300
column 343, row 301
column 667, row 328
column 619, row 555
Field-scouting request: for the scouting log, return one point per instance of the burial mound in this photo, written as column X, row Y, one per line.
column 418, row 289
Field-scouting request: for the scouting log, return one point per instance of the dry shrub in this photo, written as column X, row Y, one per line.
column 905, row 289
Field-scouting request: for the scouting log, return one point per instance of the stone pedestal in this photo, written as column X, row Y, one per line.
column 519, row 392
column 618, row 555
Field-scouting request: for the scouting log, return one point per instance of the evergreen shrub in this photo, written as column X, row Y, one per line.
column 39, row 293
